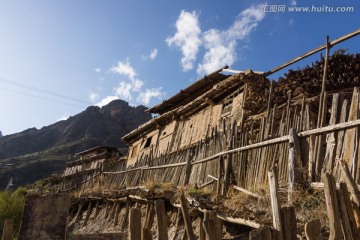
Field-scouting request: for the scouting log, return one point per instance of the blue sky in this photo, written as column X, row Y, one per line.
column 59, row 57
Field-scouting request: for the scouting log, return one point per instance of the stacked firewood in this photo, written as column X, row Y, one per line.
column 343, row 72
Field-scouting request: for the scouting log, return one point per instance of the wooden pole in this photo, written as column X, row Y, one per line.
column 212, row 225
column 349, row 209
column 88, row 212
column 354, row 190
column 262, row 233
column 318, row 49
column 275, row 201
column 161, row 219
column 345, row 220
column 7, row 229
column 313, row 230
column 332, row 206
column 294, row 163
column 289, row 223
column 188, row 169
column 186, row 217
column 134, row 224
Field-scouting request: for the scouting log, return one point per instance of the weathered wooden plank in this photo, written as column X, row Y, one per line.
column 134, row 224
column 88, row 212
column 294, row 163
column 186, row 217
column 339, row 126
column 275, row 201
column 124, row 222
column 212, row 225
column 350, row 134
column 355, row 193
column 240, row 221
column 243, row 190
column 350, row 212
column 289, row 228
column 329, row 160
column 161, row 219
column 332, row 206
column 345, row 222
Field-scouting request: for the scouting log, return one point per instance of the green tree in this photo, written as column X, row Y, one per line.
column 11, row 206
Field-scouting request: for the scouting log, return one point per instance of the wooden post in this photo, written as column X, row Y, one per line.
column 349, row 209
column 275, row 202
column 88, row 212
column 78, row 214
column 186, row 217
column 227, row 172
column 345, row 221
column 97, row 208
column 289, row 223
column 355, row 193
column 212, row 226
column 262, row 233
column 329, row 160
column 202, row 233
column 7, row 230
column 313, row 229
column 332, row 206
column 126, row 215
column 294, row 163
column 220, row 174
column 117, row 212
column 161, row 219
column 188, row 169
column 134, row 224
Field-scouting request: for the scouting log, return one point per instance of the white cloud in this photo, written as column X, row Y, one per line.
column 63, row 117
column 106, row 101
column 130, row 89
column 124, row 68
column 145, row 97
column 93, row 96
column 123, row 90
column 187, row 38
column 153, row 54
column 221, row 45
column 97, row 70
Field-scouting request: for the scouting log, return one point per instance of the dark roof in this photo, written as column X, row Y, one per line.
column 190, row 93
column 95, row 148
column 216, row 92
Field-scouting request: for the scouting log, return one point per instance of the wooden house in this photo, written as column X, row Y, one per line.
column 88, row 165
column 188, row 117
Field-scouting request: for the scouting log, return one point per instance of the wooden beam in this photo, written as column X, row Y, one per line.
column 243, row 190
column 318, row 49
column 240, row 221
column 330, row 128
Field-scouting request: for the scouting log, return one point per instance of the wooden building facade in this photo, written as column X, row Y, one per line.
column 190, row 116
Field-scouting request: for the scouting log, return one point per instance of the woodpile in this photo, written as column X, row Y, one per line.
column 343, row 72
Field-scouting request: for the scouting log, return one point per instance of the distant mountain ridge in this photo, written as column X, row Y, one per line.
column 93, row 127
